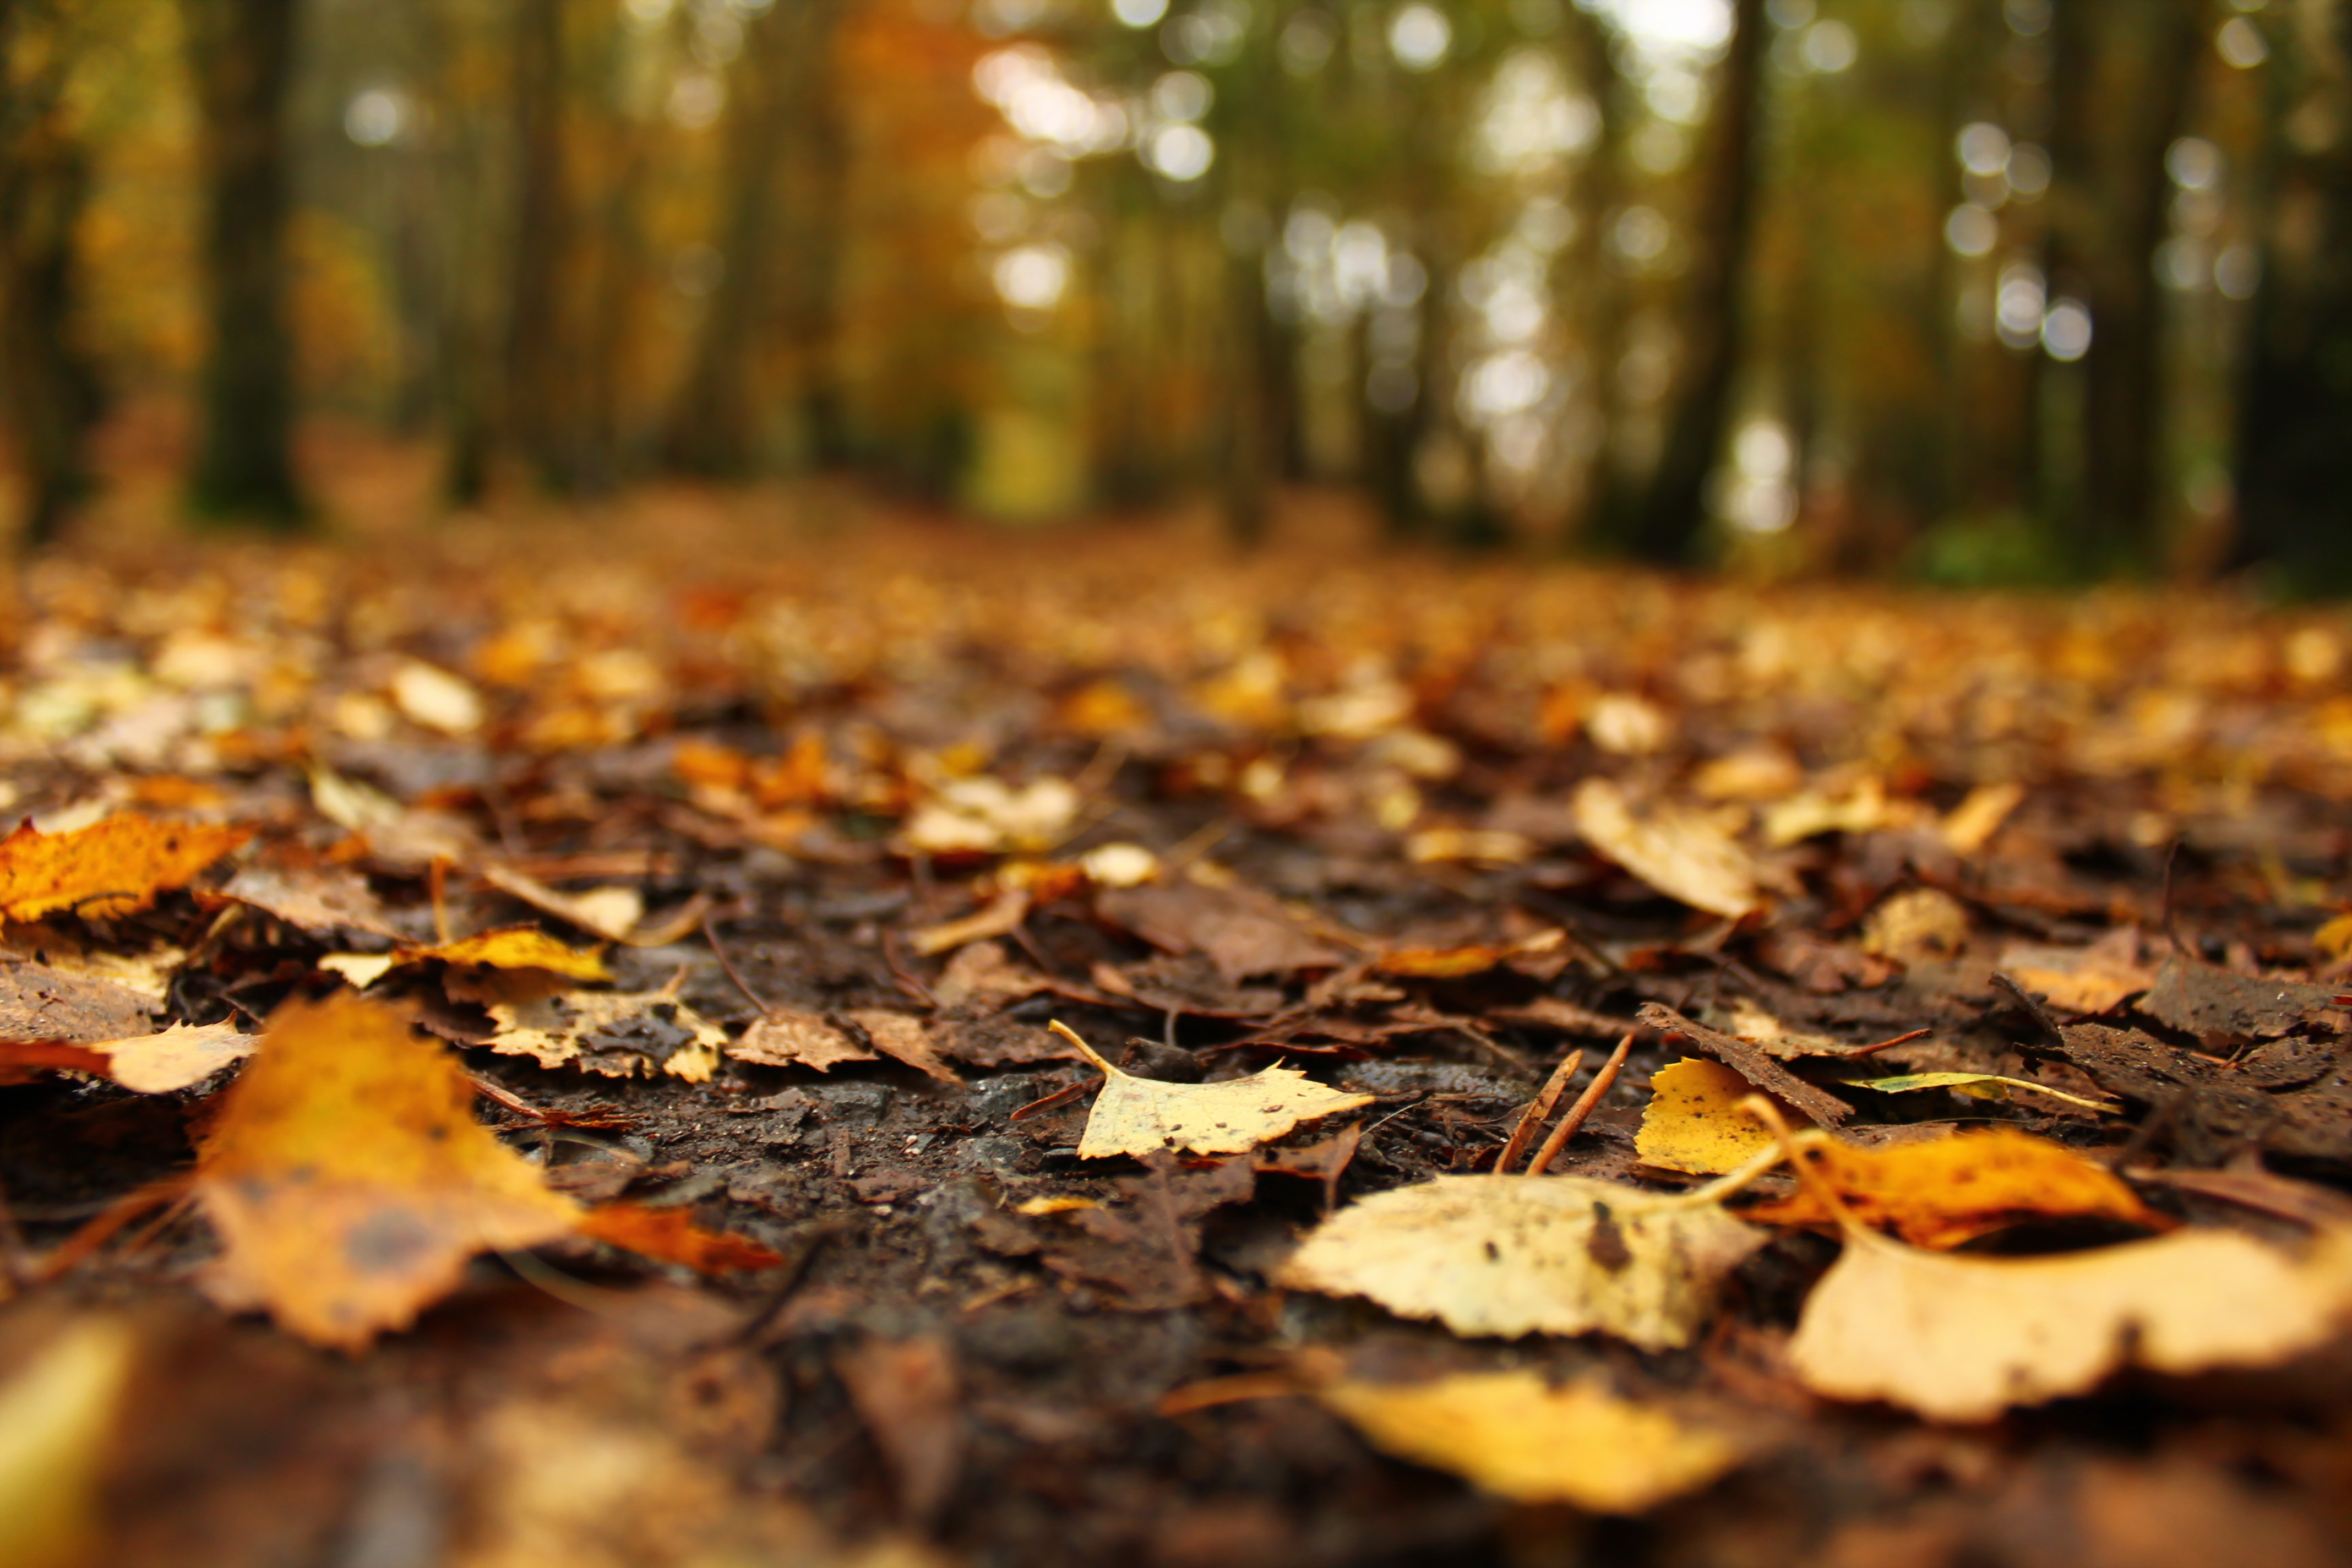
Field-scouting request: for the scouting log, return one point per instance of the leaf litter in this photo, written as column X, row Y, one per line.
column 1355, row 858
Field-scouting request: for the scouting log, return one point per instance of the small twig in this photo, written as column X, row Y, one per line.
column 726, row 965
column 2023, row 998
column 907, row 979
column 1537, row 1112
column 1060, row 1096
column 100, row 1231
column 1886, row 1044
column 1602, row 1081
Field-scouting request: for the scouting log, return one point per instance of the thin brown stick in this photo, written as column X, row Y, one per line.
column 1602, row 1081
column 100, row 1231
column 719, row 950
column 1537, row 1112
column 1059, row 1097
column 1886, row 1044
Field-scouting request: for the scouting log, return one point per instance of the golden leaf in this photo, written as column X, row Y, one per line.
column 515, row 947
column 671, row 1236
column 348, row 1180
column 621, row 1034
column 1141, row 1116
column 114, row 866
column 1955, row 1189
column 1517, row 1254
column 1516, row 1435
column 1692, row 1121
column 1682, row 854
column 1963, row 1338
column 58, row 1419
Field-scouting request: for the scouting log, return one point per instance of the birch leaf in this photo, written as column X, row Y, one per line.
column 1141, row 1116
column 1961, row 1338
column 515, row 947
column 1511, row 1256
column 1694, row 1123
column 1682, row 854
column 1517, row 1437
column 114, row 866
column 1941, row 1193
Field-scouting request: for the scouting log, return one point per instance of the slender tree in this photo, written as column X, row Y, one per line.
column 537, row 393
column 241, row 55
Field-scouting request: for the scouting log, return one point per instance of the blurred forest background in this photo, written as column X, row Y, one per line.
column 1969, row 290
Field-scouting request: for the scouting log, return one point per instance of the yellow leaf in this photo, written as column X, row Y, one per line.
column 1516, row 1435
column 1692, row 1121
column 515, row 947
column 1975, row 820
column 182, row 1056
column 1517, row 1254
column 1977, row 1085
column 112, row 868
column 348, row 1178
column 620, row 1034
column 1682, row 854
column 1140, row 1116
column 2335, row 938
column 1917, row 925
column 1961, row 1338
column 1955, row 1189
column 612, row 913
column 58, row 1418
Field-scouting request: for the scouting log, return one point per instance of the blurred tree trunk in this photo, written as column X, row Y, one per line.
column 2122, row 68
column 822, row 133
column 50, row 391
column 241, row 54
column 537, row 394
column 1667, row 518
column 1598, row 307
column 714, row 425
column 2295, row 412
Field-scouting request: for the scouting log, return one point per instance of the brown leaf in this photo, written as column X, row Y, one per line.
column 1750, row 1063
column 114, row 866
column 348, row 1180
column 785, row 1038
column 902, row 1035
column 617, row 1033
column 907, row 1392
column 317, row 900
column 2226, row 1010
column 1681, row 853
column 39, row 1003
column 2095, row 979
column 1241, row 930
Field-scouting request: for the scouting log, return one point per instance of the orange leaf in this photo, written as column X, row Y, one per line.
column 348, row 1180
column 114, row 866
column 1955, row 1189
column 671, row 1236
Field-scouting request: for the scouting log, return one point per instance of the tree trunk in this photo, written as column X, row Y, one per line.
column 1672, row 510
column 2294, row 457
column 241, row 53
column 537, row 394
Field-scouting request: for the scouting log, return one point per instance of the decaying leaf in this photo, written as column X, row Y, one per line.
column 1242, row 932
column 1518, row 1436
column 1917, row 925
column 1683, row 855
column 785, row 1038
column 319, row 899
column 902, row 1035
column 1143, row 1116
column 1961, row 1338
column 1518, row 1255
column 348, row 1178
column 671, row 1236
column 1694, row 1123
column 621, row 1034
column 2095, row 979
column 1952, row 1190
column 514, row 947
column 41, row 1002
column 1750, row 1062
column 114, row 866
column 2226, row 1010
column 1450, row 962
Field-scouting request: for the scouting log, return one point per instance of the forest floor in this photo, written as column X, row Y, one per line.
column 743, row 853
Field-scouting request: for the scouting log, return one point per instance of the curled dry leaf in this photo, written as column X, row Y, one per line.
column 785, row 1038
column 348, row 1178
column 1517, row 1437
column 1243, row 932
column 1952, row 1190
column 1963, row 1338
column 1518, row 1255
column 114, row 866
column 1450, row 962
column 1143, row 1116
column 514, row 947
column 1683, row 856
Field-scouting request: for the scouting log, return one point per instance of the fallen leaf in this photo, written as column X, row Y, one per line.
column 114, row 866
column 1973, row 822
column 1241, row 930
column 620, row 1034
column 1941, row 1193
column 432, row 697
column 1518, row 1255
column 1917, row 925
column 1450, row 963
column 1977, row 1085
column 39, row 1003
column 1864, row 809
column 1961, row 1338
column 180, row 1058
column 1750, row 1062
column 1143, row 1116
column 1518, row 1436
column 362, row 969
column 671, row 1236
column 514, row 947
column 1681, row 853
column 902, row 1036
column 2226, row 1010
column 2335, row 938
column 59, row 1415
column 789, row 1039
column 1694, row 1123
column 2095, row 979
column 907, row 1393
column 1002, row 916
column 612, row 913
column 349, row 1181
column 320, row 900
column 983, row 976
